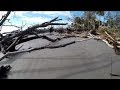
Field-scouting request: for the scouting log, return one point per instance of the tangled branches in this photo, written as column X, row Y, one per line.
column 9, row 41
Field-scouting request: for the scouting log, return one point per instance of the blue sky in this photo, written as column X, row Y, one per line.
column 29, row 18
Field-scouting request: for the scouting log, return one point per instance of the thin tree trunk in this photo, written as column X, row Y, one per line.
column 104, row 20
column 99, row 20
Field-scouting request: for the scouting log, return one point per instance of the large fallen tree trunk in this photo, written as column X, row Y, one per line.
column 110, row 41
column 114, row 43
column 31, row 29
column 9, row 42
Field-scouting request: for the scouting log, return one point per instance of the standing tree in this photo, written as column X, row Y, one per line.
column 100, row 13
column 77, row 23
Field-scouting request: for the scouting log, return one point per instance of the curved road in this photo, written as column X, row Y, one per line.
column 83, row 60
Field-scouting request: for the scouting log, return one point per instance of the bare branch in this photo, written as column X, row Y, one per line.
column 43, row 47
column 12, row 25
column 8, row 43
column 5, row 17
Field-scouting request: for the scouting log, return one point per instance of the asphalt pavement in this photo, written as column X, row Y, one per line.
column 83, row 60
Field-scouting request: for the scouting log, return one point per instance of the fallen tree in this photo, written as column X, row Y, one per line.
column 43, row 47
column 114, row 43
column 9, row 42
column 110, row 41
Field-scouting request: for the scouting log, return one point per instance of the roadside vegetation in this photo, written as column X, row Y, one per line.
column 90, row 21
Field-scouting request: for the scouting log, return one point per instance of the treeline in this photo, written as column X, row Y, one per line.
column 92, row 20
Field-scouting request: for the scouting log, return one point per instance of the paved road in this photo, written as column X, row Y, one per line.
column 82, row 60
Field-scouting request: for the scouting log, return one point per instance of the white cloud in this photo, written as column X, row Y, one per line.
column 8, row 29
column 2, row 13
column 41, row 19
column 19, row 13
column 53, row 13
column 35, row 19
column 48, row 13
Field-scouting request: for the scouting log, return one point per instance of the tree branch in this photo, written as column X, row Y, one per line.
column 29, row 50
column 40, row 48
column 3, row 20
column 10, row 42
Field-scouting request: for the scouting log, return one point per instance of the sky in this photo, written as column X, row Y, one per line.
column 28, row 18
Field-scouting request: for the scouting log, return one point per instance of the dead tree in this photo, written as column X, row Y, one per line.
column 8, row 43
column 114, row 43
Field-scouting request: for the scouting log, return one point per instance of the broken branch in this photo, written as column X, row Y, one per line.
column 5, row 17
column 29, row 50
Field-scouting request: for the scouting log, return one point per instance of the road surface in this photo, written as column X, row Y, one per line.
column 83, row 60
